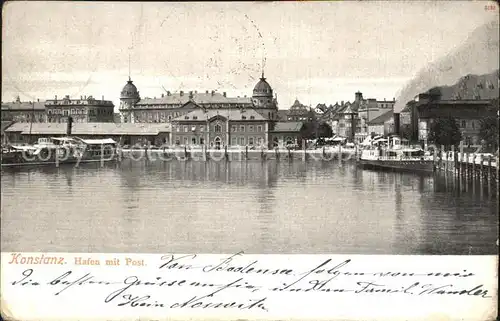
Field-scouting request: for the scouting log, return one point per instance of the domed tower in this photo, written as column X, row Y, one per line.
column 129, row 96
column 263, row 100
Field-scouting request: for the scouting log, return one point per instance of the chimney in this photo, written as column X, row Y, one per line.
column 394, row 99
column 162, row 95
column 168, row 93
column 358, row 96
column 396, row 123
column 38, row 99
column 224, row 93
column 341, row 103
column 191, row 94
column 213, row 92
column 206, row 92
column 56, row 98
column 384, row 99
column 182, row 93
column 102, row 97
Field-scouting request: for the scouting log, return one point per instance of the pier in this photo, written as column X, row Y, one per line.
column 468, row 166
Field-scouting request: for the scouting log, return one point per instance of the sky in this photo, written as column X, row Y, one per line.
column 318, row 52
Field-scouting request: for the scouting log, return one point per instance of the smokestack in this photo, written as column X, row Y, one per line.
column 70, row 125
column 224, row 93
column 396, row 123
column 182, row 93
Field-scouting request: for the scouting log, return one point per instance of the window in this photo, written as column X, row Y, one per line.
column 463, row 124
column 50, row 112
column 242, row 141
column 178, row 128
column 252, row 117
column 202, row 141
column 186, row 129
column 186, row 117
column 242, row 128
column 218, row 128
column 234, row 129
column 193, row 140
column 185, row 140
column 243, row 117
column 259, row 128
column 177, row 141
column 169, row 117
column 202, row 128
column 195, row 117
column 473, row 124
column 234, row 141
column 250, row 128
column 259, row 140
column 250, row 141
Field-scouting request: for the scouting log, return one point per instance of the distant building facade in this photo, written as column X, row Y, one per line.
column 19, row 111
column 170, row 105
column 83, row 110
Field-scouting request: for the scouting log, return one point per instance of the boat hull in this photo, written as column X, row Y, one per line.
column 421, row 166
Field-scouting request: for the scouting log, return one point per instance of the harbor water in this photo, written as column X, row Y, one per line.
column 252, row 206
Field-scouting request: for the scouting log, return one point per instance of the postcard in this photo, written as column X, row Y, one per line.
column 294, row 160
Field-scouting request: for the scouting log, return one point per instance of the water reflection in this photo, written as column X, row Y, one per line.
column 255, row 206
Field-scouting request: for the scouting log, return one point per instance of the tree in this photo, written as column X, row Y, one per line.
column 445, row 131
column 488, row 131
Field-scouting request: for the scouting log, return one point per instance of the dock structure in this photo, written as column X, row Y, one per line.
column 468, row 166
column 240, row 154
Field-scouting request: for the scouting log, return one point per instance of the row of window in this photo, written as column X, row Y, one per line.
column 218, row 128
column 80, row 112
column 242, row 141
column 464, row 123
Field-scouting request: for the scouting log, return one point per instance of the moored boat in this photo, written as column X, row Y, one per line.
column 60, row 150
column 396, row 157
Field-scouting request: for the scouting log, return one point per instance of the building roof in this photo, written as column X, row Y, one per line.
column 91, row 128
column 129, row 90
column 25, row 105
column 262, row 88
column 289, row 126
column 6, row 124
column 198, row 98
column 231, row 114
column 382, row 118
column 283, row 114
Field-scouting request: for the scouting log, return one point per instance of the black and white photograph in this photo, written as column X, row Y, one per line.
column 297, row 127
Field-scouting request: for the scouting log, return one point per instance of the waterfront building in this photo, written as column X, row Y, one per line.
column 126, row 134
column 218, row 128
column 467, row 101
column 171, row 105
column 382, row 125
column 83, row 110
column 18, row 111
column 287, row 133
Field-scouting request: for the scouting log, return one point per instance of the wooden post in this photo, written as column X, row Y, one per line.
column 489, row 170
column 246, row 152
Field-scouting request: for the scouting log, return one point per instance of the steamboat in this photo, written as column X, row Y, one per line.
column 60, row 150
column 394, row 156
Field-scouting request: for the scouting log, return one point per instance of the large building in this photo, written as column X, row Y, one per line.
column 467, row 101
column 83, row 110
column 170, row 105
column 18, row 111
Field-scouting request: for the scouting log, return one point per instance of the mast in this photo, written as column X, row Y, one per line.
column 31, row 120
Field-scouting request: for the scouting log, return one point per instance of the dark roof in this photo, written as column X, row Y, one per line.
column 288, row 126
column 262, row 88
column 282, row 114
column 25, row 105
column 91, row 128
column 382, row 118
column 129, row 90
